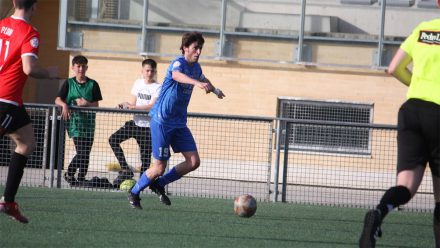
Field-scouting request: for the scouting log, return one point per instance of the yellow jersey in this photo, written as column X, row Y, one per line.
column 423, row 45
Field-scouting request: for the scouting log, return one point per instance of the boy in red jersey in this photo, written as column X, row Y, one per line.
column 19, row 44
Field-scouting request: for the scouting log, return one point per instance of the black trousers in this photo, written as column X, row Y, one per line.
column 80, row 161
column 142, row 136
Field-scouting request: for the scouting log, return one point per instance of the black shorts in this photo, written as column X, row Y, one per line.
column 418, row 136
column 12, row 118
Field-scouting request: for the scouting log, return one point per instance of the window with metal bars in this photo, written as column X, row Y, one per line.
column 326, row 126
column 84, row 10
column 109, row 9
column 80, row 10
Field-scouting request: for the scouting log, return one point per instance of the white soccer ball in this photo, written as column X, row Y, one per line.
column 245, row 206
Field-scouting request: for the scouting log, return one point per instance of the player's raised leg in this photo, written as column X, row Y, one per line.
column 407, row 184
column 25, row 141
column 154, row 185
column 157, row 169
column 192, row 162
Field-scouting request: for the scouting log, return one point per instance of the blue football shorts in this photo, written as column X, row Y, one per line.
column 162, row 137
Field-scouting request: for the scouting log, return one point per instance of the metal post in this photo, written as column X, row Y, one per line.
column 95, row 10
column 299, row 54
column 381, row 34
column 45, row 145
column 53, row 146
column 285, row 162
column 60, row 149
column 269, row 159
column 62, row 24
column 222, row 29
column 144, row 27
column 277, row 161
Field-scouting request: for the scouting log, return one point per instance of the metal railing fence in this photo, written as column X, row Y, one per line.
column 344, row 179
column 240, row 155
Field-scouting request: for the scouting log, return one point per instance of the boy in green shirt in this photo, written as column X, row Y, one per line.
column 79, row 91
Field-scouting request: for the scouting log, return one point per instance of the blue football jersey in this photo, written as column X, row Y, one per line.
column 171, row 107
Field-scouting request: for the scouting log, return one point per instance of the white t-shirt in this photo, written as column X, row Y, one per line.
column 144, row 93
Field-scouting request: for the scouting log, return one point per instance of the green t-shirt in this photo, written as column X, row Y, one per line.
column 423, row 45
column 81, row 123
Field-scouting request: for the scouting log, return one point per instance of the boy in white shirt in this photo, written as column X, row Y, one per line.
column 143, row 96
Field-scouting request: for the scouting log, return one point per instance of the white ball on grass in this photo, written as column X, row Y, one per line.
column 245, row 206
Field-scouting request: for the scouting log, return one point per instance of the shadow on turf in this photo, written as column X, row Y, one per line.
column 199, row 235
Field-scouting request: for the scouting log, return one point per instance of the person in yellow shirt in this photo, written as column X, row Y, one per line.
column 418, row 127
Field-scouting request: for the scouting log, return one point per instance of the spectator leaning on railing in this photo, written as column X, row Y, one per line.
column 79, row 91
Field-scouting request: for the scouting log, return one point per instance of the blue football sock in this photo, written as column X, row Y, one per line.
column 169, row 177
column 143, row 182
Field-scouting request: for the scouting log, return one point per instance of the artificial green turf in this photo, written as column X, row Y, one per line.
column 69, row 218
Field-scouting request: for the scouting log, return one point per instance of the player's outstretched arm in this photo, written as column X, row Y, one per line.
column 399, row 67
column 218, row 92
column 205, row 85
column 33, row 69
column 184, row 79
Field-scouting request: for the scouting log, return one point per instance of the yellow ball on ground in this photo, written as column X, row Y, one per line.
column 126, row 185
column 113, row 166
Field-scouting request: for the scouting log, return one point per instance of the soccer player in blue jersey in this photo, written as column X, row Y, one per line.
column 168, row 121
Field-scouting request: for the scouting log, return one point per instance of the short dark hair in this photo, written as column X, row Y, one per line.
column 80, row 60
column 150, row 62
column 24, row 4
column 191, row 37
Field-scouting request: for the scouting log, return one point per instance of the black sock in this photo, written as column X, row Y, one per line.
column 15, row 173
column 437, row 213
column 437, row 224
column 393, row 197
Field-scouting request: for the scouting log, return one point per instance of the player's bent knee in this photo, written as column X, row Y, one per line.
column 31, row 146
column 113, row 141
column 195, row 165
column 25, row 149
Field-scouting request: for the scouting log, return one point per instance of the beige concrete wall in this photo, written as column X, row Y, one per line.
column 251, row 88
